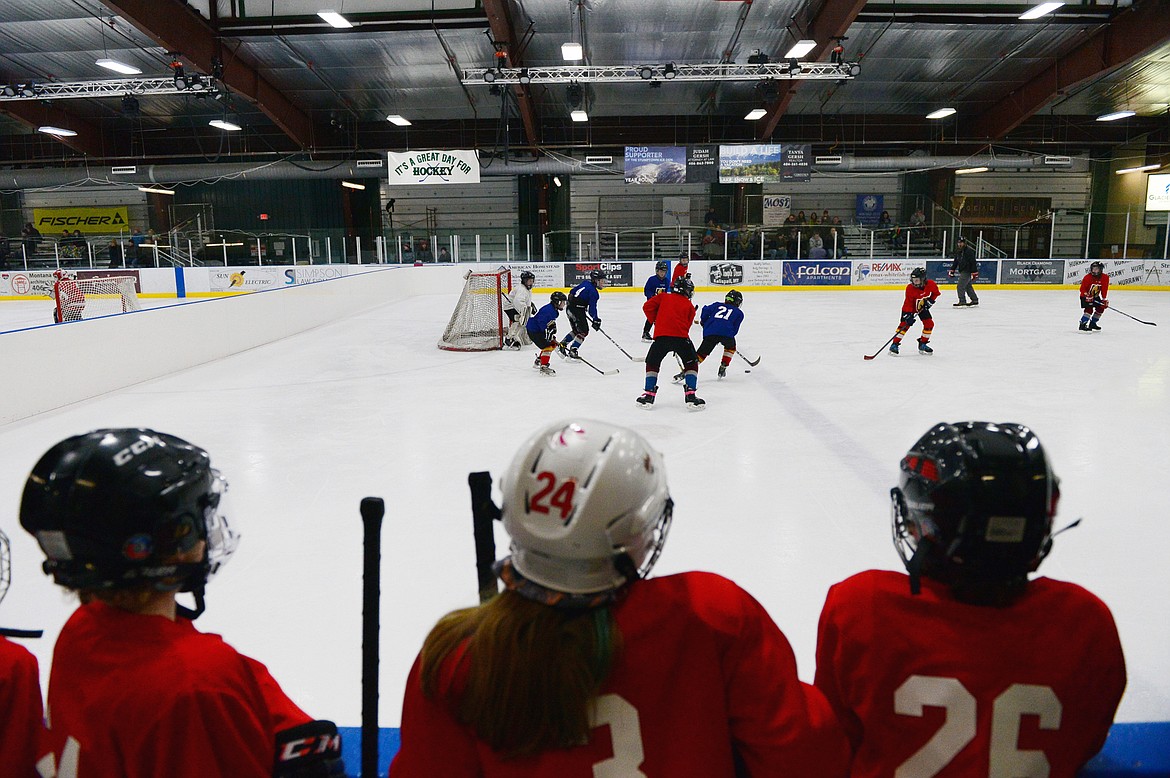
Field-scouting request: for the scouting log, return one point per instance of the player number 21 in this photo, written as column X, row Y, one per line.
column 559, row 497
column 1006, row 759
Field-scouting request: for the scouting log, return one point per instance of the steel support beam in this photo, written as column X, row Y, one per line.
column 88, row 140
column 499, row 15
column 831, row 21
column 1131, row 34
column 638, row 74
column 176, row 27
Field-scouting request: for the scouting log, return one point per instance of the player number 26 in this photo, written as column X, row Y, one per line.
column 1007, row 760
column 553, row 496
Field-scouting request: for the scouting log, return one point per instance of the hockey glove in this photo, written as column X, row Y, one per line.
column 597, row 324
column 926, row 304
column 1100, row 303
column 551, row 330
column 908, row 318
column 975, row 275
column 531, row 309
column 951, row 272
column 1084, row 302
column 311, row 750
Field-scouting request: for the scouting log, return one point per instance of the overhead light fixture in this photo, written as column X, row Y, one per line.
column 646, row 72
column 572, row 52
column 180, row 77
column 800, row 49
column 755, row 113
column 524, row 77
column 941, row 113
column 118, row 67
column 1112, row 117
column 669, row 71
column 829, row 159
column 1035, row 12
column 156, row 190
column 130, row 105
column 1141, row 169
column 352, row 185
column 335, row 19
column 966, row 170
column 757, row 57
column 489, row 76
column 8, row 91
column 60, row 132
column 793, row 67
column 224, row 124
column 28, row 90
column 399, row 120
column 557, row 180
column 855, row 69
column 576, row 95
column 579, row 116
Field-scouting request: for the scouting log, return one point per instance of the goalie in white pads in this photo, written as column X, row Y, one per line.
column 518, row 308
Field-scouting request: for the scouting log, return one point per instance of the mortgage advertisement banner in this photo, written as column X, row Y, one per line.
column 416, row 168
column 1031, row 271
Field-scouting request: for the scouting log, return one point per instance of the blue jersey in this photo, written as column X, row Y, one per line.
column 584, row 295
column 544, row 317
column 721, row 319
column 654, row 285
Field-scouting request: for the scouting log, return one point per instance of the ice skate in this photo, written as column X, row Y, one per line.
column 959, row 305
column 646, row 337
column 694, row 402
column 723, row 371
column 573, row 353
column 647, row 398
column 924, row 349
column 1093, row 327
column 536, row 364
column 547, row 370
column 1084, row 327
column 680, row 377
column 894, row 349
column 563, row 350
column 972, row 304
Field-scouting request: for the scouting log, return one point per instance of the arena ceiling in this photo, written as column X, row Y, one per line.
column 298, row 86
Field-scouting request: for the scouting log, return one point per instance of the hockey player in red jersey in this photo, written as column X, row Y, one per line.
column 965, row 667
column 585, row 666
column 22, row 738
column 921, row 294
column 672, row 316
column 127, row 518
column 1094, row 296
column 68, row 296
column 681, row 268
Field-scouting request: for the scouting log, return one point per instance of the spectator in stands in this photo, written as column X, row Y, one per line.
column 5, row 251
column 792, row 244
column 790, row 220
column 835, row 245
column 813, row 218
column 1033, row 669
column 825, row 217
column 884, row 221
column 815, row 241
column 800, row 218
column 116, row 253
column 127, row 518
column 711, row 219
column 837, row 221
column 424, row 251
column 575, row 669
column 31, row 236
column 918, row 219
column 772, row 247
column 23, row 739
column 444, row 255
column 137, row 238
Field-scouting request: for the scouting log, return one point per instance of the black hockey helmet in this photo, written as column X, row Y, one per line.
column 111, row 508
column 918, row 274
column 527, row 275
column 1097, row 268
column 974, row 509
column 684, row 285
column 661, row 266
column 559, row 299
column 734, row 297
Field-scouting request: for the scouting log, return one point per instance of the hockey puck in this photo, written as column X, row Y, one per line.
column 747, row 371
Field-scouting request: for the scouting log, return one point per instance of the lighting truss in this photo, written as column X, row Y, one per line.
column 114, row 87
column 564, row 74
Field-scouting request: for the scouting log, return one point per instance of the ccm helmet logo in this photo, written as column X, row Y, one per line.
column 134, row 449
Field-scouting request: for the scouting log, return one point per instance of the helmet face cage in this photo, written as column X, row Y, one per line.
column 684, row 286
column 1097, row 268
column 528, row 278
column 558, row 299
column 660, row 266
column 598, row 278
column 975, row 503
column 222, row 540
column 586, row 506
column 918, row 276
column 734, row 297
column 5, row 565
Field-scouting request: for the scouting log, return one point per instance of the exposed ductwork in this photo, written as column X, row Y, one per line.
column 284, row 170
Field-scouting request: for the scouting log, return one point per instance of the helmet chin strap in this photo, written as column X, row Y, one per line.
column 200, row 606
column 914, row 568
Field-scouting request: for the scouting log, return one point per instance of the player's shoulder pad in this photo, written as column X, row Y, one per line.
column 309, row 750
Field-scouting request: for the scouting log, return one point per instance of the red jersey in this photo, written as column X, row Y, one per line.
column 927, row 685
column 23, row 736
column 679, row 270
column 915, row 296
column 704, row 677
column 143, row 696
column 671, row 314
column 1095, row 286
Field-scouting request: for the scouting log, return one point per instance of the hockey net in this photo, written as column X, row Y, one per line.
column 89, row 298
column 478, row 322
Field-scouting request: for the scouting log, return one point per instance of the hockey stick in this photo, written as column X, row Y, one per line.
column 1139, row 321
column 750, row 362
column 619, row 348
column 483, row 513
column 580, row 358
column 372, row 510
column 883, row 348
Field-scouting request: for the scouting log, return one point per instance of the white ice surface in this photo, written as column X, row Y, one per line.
column 781, row 484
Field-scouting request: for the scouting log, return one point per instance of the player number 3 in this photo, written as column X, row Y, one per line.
column 1006, row 759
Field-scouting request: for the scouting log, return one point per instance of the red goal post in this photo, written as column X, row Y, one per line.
column 478, row 322
column 89, row 298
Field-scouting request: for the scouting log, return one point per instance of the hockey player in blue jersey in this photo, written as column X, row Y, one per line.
column 582, row 309
column 721, row 323
column 655, row 284
column 542, row 329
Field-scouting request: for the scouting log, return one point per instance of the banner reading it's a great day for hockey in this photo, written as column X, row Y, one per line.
column 434, row 167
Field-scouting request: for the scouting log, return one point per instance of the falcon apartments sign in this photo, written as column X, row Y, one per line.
column 433, row 167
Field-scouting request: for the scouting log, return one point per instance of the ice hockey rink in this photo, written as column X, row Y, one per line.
column 780, row 484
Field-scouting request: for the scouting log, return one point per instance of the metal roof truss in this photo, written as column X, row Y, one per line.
column 812, row 71
column 117, row 87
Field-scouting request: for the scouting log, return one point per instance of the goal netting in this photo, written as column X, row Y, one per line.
column 89, row 298
column 478, row 322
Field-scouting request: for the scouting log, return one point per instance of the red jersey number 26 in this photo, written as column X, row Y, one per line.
column 553, row 497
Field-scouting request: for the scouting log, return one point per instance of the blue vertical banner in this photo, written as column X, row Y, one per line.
column 869, row 208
